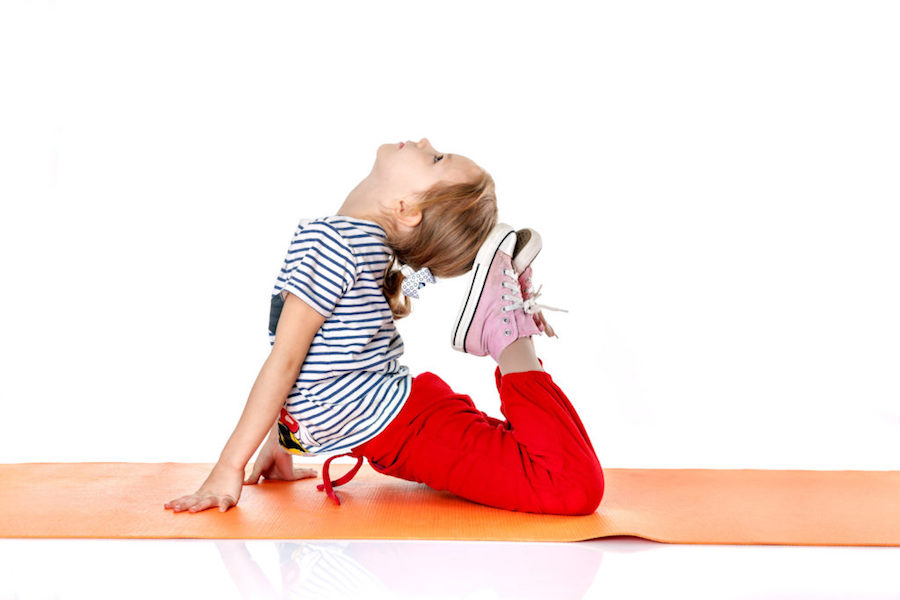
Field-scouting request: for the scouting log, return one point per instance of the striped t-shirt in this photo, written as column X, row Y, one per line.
column 351, row 384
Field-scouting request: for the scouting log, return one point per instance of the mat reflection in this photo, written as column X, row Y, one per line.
column 414, row 569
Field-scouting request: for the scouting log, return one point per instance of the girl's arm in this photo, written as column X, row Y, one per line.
column 297, row 326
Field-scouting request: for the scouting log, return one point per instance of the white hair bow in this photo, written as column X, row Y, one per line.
column 415, row 280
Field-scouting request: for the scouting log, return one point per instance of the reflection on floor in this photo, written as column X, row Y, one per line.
column 619, row 567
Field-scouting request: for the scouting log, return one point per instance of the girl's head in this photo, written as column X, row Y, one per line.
column 436, row 208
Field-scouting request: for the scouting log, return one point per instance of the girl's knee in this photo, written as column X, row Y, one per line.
column 591, row 493
column 578, row 494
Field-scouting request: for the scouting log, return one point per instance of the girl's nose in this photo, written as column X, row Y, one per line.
column 423, row 140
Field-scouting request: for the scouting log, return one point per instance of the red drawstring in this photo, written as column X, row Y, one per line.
column 326, row 478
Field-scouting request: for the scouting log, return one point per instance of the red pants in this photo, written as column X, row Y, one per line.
column 539, row 460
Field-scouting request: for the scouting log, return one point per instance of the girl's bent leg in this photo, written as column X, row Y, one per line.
column 539, row 460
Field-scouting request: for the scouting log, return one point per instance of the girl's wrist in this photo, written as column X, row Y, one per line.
column 226, row 465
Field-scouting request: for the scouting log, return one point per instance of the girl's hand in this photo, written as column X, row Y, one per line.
column 222, row 488
column 274, row 463
column 547, row 329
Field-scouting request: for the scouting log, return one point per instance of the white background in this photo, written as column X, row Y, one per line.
column 716, row 184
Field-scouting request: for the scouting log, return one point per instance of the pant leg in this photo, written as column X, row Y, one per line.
column 498, row 377
column 538, row 460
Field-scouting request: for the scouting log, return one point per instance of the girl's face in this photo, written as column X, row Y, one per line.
column 402, row 172
column 409, row 168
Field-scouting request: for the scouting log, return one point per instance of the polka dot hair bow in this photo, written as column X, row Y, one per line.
column 415, row 280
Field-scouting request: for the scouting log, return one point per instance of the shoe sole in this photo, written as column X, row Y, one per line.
column 475, row 284
column 528, row 245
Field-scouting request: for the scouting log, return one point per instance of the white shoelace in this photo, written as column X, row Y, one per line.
column 529, row 306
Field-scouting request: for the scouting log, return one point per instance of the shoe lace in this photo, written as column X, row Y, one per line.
column 529, row 306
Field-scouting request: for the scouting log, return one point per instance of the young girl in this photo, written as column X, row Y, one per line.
column 332, row 384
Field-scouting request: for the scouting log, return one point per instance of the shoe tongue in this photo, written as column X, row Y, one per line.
column 527, row 324
column 526, row 273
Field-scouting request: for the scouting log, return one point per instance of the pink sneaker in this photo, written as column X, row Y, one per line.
column 528, row 245
column 491, row 315
column 529, row 294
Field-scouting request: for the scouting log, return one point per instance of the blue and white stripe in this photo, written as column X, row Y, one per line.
column 351, row 384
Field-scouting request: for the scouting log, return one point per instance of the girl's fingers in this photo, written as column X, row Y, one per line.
column 195, row 503
column 304, row 473
column 203, row 504
column 173, row 502
column 178, row 504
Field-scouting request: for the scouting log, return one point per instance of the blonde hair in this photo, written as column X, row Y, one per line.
column 456, row 220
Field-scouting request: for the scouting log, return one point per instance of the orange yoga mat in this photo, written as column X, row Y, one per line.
column 687, row 506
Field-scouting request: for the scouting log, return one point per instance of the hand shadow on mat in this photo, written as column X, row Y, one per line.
column 416, row 569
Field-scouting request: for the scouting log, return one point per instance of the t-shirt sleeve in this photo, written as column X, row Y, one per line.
column 321, row 267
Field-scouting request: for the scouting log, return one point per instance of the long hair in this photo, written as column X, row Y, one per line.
column 456, row 220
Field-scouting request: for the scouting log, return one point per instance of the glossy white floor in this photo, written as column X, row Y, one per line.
column 611, row 568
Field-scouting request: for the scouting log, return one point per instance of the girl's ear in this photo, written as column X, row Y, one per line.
column 407, row 213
